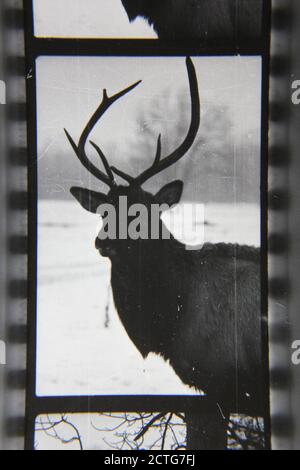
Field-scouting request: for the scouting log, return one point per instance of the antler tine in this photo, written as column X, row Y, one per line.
column 130, row 179
column 80, row 148
column 158, row 151
column 87, row 163
column 105, row 162
column 160, row 165
column 122, row 174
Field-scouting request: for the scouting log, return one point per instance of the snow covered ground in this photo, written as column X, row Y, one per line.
column 77, row 354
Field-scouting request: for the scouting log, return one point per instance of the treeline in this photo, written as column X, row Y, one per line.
column 222, row 166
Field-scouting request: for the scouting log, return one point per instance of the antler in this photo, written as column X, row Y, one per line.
column 80, row 148
column 159, row 164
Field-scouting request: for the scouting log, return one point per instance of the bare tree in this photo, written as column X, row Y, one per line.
column 149, row 431
column 56, row 429
column 145, row 431
column 221, row 165
column 246, row 433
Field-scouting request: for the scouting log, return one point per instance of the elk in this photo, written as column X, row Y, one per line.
column 199, row 19
column 199, row 310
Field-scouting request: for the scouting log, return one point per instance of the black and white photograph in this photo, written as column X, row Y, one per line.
column 170, row 20
column 177, row 312
column 148, row 159
column 148, row 287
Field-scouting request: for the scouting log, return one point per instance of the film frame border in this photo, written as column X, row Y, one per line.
column 18, row 243
column 15, row 225
column 136, row 48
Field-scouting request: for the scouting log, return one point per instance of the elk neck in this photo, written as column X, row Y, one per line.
column 148, row 291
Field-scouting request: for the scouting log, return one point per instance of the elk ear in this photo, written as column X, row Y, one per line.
column 89, row 200
column 170, row 194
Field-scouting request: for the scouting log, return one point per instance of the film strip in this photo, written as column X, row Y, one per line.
column 15, row 336
column 280, row 328
column 279, row 196
column 294, row 226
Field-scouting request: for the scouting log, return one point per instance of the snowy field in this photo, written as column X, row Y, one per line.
column 80, row 351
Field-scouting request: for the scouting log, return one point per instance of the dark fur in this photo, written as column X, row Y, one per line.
column 188, row 307
column 200, row 310
column 199, row 19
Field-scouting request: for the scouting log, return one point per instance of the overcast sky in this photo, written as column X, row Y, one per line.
column 70, row 89
column 87, row 18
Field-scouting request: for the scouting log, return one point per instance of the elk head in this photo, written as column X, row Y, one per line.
column 131, row 194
